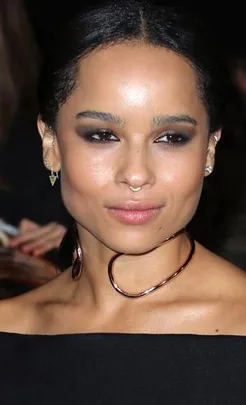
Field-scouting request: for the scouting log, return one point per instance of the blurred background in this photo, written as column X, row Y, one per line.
column 33, row 219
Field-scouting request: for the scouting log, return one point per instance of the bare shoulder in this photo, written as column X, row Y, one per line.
column 221, row 273
column 225, row 285
column 24, row 313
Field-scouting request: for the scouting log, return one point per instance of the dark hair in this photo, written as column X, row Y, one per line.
column 174, row 28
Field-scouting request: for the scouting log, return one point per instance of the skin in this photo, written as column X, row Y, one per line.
column 35, row 239
column 137, row 84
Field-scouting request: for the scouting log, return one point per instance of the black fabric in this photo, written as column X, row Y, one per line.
column 130, row 369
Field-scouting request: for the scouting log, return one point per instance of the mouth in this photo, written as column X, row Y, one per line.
column 134, row 213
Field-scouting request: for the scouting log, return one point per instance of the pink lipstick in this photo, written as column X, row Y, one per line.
column 134, row 213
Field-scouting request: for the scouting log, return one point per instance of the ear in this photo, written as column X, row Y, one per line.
column 210, row 161
column 51, row 155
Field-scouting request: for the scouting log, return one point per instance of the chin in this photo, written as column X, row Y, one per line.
column 132, row 246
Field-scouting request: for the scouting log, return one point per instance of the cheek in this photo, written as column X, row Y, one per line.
column 184, row 176
column 85, row 172
column 182, row 180
column 83, row 181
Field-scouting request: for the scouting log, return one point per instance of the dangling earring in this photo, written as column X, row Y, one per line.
column 77, row 264
column 208, row 170
column 53, row 177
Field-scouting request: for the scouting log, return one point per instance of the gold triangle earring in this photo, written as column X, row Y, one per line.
column 53, row 175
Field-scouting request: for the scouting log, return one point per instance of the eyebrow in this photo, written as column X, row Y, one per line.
column 156, row 121
column 173, row 119
column 102, row 116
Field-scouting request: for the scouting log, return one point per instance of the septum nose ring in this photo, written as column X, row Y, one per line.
column 135, row 189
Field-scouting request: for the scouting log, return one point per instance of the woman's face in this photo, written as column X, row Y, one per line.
column 135, row 119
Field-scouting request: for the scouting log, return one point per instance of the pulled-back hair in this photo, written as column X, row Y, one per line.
column 173, row 28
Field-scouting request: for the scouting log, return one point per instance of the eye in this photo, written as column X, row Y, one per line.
column 100, row 136
column 104, row 136
column 174, row 138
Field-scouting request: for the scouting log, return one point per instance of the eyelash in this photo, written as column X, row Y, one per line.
column 175, row 138
column 100, row 133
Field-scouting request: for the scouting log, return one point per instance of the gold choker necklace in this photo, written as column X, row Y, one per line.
column 77, row 267
column 163, row 282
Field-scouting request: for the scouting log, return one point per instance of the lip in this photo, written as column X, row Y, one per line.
column 135, row 213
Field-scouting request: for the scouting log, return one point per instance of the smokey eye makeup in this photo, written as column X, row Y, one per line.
column 97, row 135
column 106, row 135
column 175, row 138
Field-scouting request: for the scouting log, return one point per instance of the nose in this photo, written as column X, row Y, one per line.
column 136, row 168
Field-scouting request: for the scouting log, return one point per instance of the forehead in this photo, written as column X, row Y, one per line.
column 144, row 77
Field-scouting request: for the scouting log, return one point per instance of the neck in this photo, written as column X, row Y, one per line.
column 133, row 274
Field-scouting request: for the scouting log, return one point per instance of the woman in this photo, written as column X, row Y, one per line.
column 130, row 114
